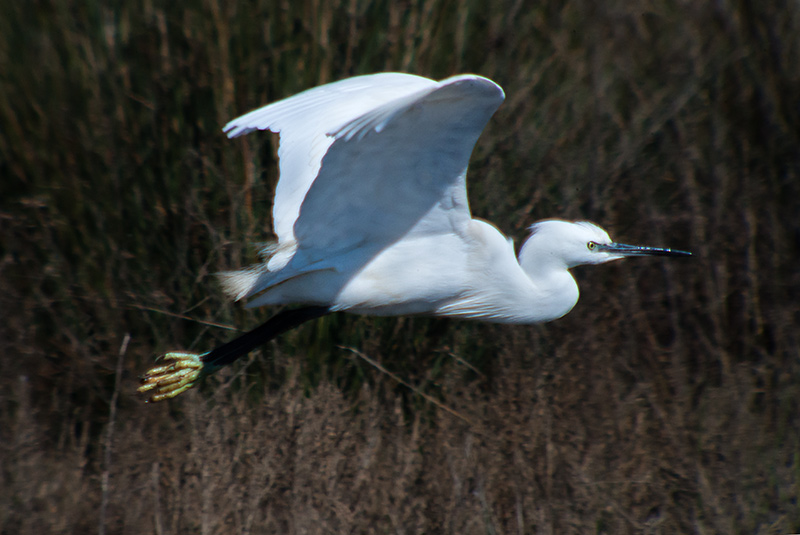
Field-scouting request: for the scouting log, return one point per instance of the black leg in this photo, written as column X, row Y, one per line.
column 275, row 326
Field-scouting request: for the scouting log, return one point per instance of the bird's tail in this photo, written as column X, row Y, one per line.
column 251, row 280
column 244, row 282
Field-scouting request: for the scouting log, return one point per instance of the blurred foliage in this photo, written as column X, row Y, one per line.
column 668, row 122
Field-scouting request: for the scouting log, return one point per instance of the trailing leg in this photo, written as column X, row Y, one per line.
column 182, row 370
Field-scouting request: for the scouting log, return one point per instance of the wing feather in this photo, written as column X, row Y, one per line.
column 399, row 168
column 365, row 162
column 304, row 122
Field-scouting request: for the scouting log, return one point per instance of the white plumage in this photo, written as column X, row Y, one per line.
column 371, row 217
column 371, row 209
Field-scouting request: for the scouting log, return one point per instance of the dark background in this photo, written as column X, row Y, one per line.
column 665, row 402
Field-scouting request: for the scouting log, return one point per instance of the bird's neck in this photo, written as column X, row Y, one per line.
column 555, row 287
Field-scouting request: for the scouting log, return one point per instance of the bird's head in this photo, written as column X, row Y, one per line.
column 575, row 243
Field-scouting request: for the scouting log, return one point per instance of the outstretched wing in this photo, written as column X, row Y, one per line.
column 397, row 170
column 304, row 122
column 358, row 182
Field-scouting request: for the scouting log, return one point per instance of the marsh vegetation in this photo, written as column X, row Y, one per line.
column 665, row 402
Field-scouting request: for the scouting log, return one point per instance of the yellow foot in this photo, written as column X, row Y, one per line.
column 179, row 373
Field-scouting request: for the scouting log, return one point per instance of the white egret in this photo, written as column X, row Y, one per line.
column 371, row 217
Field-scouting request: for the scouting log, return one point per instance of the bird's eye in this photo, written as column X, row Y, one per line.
column 591, row 245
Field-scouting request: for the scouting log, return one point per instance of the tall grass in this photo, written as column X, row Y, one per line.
column 665, row 402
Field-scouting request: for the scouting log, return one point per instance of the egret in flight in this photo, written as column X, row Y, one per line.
column 371, row 217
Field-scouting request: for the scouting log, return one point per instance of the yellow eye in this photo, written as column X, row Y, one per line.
column 591, row 245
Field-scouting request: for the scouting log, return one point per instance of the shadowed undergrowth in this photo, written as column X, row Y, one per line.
column 665, row 402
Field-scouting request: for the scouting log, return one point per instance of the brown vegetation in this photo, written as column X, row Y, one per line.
column 666, row 402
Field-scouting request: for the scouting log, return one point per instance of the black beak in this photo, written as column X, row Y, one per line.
column 639, row 250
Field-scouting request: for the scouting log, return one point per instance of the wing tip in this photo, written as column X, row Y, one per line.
column 490, row 87
column 234, row 129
